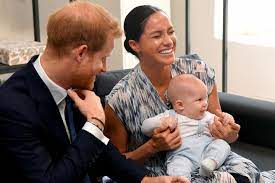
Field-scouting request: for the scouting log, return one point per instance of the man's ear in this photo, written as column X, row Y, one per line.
column 134, row 45
column 80, row 52
column 179, row 106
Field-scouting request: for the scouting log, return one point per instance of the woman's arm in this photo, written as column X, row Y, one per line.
column 219, row 130
column 160, row 141
column 213, row 101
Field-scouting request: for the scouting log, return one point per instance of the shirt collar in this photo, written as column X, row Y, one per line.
column 57, row 92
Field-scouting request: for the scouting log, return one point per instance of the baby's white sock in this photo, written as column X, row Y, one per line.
column 207, row 167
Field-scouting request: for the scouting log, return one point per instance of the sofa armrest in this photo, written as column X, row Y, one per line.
column 256, row 117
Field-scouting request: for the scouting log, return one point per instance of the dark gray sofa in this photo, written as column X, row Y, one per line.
column 256, row 117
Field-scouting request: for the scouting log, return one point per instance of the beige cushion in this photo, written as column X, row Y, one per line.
column 19, row 52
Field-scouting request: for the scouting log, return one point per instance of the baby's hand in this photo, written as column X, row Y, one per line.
column 169, row 122
column 227, row 118
column 224, row 127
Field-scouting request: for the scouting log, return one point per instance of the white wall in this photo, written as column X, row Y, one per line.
column 251, row 71
column 16, row 18
column 202, row 35
column 178, row 20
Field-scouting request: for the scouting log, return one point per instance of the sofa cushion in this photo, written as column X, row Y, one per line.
column 256, row 117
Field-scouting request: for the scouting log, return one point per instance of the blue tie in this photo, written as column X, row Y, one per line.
column 70, row 123
column 69, row 117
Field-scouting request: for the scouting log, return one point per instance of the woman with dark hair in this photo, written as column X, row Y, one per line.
column 141, row 94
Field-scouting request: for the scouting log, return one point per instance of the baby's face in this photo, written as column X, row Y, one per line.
column 195, row 105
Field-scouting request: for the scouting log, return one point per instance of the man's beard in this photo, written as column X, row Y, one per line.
column 87, row 84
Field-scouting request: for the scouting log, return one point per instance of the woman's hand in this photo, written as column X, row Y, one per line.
column 224, row 127
column 164, row 138
column 169, row 122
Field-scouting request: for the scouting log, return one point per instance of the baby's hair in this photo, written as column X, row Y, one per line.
column 185, row 84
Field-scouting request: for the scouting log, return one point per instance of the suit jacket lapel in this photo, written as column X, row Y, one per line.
column 46, row 106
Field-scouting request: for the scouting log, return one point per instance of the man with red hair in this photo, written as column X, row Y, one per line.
column 42, row 137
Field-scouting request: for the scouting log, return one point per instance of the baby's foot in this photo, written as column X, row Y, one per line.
column 207, row 167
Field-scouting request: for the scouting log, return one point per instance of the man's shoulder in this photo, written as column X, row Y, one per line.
column 15, row 91
column 13, row 94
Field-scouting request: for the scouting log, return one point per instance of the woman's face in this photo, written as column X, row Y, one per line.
column 157, row 43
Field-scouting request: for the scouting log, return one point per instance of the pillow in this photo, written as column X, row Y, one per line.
column 19, row 52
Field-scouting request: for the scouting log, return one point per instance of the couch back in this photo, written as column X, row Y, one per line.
column 106, row 81
column 256, row 117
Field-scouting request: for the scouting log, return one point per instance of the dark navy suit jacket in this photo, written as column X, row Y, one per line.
column 34, row 146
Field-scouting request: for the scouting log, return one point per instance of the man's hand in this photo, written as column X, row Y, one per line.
column 165, row 179
column 89, row 105
column 224, row 127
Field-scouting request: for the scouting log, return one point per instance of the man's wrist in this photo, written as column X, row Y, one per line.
column 97, row 122
column 95, row 131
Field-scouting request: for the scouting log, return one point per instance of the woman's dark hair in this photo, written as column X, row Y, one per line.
column 135, row 22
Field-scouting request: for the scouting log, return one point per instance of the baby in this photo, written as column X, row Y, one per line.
column 199, row 149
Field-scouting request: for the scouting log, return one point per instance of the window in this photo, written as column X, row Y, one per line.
column 251, row 46
column 249, row 22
